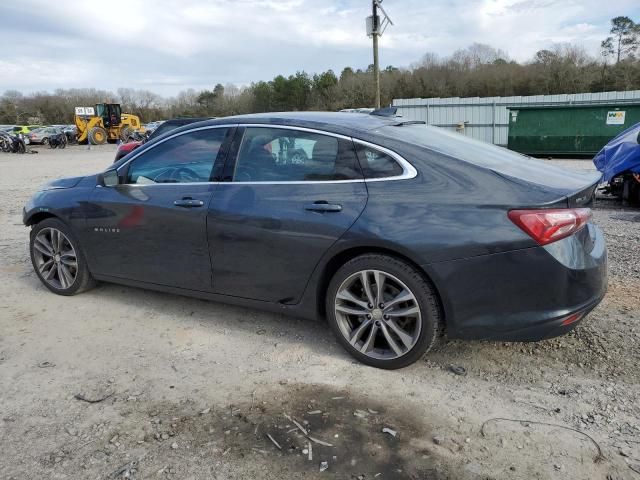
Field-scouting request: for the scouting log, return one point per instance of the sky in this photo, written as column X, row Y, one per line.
column 167, row 46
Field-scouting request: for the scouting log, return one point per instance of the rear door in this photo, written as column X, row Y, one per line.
column 152, row 227
column 293, row 193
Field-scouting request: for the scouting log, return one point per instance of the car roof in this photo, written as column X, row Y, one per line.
column 173, row 124
column 183, row 120
column 336, row 122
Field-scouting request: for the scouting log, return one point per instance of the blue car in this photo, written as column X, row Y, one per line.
column 619, row 162
column 394, row 232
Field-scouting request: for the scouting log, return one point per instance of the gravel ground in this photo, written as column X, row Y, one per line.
column 188, row 389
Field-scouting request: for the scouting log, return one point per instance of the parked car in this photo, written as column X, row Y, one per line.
column 395, row 232
column 71, row 132
column 42, row 135
column 357, row 110
column 619, row 162
column 128, row 147
column 25, row 129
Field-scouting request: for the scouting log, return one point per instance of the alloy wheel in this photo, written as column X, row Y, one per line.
column 55, row 258
column 378, row 314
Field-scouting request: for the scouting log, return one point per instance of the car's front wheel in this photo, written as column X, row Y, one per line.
column 57, row 258
column 383, row 311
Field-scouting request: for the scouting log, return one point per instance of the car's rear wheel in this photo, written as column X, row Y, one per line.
column 383, row 311
column 57, row 258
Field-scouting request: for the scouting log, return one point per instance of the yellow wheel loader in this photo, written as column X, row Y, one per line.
column 107, row 124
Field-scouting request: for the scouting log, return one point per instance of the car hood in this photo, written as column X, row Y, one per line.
column 68, row 182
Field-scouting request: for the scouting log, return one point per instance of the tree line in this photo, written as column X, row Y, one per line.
column 478, row 70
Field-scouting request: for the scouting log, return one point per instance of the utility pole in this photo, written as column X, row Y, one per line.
column 376, row 25
column 376, row 66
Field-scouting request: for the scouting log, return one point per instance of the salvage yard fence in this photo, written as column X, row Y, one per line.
column 487, row 118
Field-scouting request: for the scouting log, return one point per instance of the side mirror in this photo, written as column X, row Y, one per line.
column 110, row 178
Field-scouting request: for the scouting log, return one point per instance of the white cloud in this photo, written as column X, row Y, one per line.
column 168, row 45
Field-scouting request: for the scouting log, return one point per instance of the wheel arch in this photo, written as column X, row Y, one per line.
column 340, row 258
column 38, row 217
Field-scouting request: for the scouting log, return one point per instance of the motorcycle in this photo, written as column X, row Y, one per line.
column 59, row 140
column 12, row 143
column 136, row 136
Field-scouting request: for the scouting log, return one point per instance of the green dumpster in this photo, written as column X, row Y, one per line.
column 568, row 129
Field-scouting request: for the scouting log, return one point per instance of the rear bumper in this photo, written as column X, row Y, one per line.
column 523, row 295
column 550, row 329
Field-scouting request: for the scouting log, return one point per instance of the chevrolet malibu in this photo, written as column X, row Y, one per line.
column 397, row 233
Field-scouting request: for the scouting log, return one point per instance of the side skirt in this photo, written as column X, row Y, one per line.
column 289, row 310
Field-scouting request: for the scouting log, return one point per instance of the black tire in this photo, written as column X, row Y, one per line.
column 83, row 279
column 634, row 193
column 98, row 136
column 45, row 141
column 432, row 323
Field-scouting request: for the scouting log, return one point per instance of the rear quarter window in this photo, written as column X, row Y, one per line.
column 377, row 164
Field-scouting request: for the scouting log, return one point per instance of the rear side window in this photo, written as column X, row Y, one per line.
column 285, row 155
column 377, row 164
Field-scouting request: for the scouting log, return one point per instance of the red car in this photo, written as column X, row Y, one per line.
column 126, row 148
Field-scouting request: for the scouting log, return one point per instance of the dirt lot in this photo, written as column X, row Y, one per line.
column 191, row 388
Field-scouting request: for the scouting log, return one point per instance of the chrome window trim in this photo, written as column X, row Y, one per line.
column 292, row 127
column 208, row 127
column 409, row 170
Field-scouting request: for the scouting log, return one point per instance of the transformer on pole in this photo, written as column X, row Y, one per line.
column 376, row 25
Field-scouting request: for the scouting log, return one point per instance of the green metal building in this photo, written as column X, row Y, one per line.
column 579, row 130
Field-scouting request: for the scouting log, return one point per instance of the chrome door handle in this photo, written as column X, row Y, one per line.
column 323, row 207
column 188, row 203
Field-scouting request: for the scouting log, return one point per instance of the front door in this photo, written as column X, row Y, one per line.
column 293, row 194
column 152, row 227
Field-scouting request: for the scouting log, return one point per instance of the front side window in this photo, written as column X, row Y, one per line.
column 284, row 155
column 187, row 158
column 377, row 164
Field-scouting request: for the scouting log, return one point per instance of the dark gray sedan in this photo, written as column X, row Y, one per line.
column 395, row 232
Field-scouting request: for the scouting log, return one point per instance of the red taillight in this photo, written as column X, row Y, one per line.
column 546, row 226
